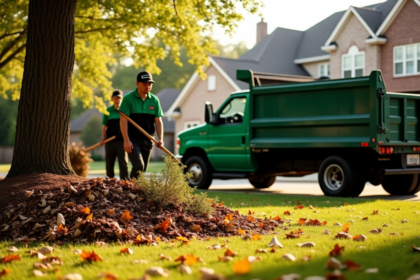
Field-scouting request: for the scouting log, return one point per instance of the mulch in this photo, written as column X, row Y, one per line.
column 53, row 208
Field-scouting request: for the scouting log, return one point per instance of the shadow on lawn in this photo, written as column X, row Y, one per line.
column 394, row 260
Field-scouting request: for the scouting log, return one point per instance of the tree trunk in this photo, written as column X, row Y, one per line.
column 42, row 130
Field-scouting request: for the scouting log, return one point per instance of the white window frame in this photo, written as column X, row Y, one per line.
column 404, row 60
column 191, row 124
column 326, row 66
column 353, row 51
column 211, row 83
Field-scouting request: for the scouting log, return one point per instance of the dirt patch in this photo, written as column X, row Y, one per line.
column 59, row 209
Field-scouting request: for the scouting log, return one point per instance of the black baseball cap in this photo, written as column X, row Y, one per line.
column 117, row 93
column 145, row 77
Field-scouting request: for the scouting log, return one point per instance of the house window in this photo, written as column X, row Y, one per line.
column 407, row 60
column 324, row 70
column 211, row 83
column 189, row 125
column 353, row 63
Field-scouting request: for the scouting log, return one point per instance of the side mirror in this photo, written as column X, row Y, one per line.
column 209, row 115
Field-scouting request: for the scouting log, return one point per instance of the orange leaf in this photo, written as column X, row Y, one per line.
column 229, row 253
column 261, row 225
column 251, row 219
column 183, row 240
column 111, row 212
column 229, row 217
column 276, row 218
column 299, row 207
column 230, row 227
column 346, row 228
column 90, row 217
column 298, row 202
column 90, row 257
column 375, row 212
column 302, row 221
column 256, row 236
column 294, row 234
column 181, row 259
column 195, row 228
column 126, row 216
column 337, row 251
column 85, row 210
column 251, row 212
column 5, row 271
column 365, row 219
column 107, row 276
column 187, row 259
column 126, row 251
column 164, row 225
column 351, row 265
column 62, row 229
column 346, row 204
column 287, row 212
column 310, row 207
column 241, row 231
column 324, row 223
column 10, row 258
column 242, row 267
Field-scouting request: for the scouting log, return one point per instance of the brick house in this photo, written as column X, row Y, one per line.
column 347, row 44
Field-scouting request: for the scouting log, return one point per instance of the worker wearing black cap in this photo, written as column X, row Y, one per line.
column 142, row 107
column 115, row 148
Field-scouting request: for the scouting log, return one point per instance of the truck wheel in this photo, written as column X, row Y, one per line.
column 337, row 178
column 401, row 184
column 262, row 183
column 200, row 170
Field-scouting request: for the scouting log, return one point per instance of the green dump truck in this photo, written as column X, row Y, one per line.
column 349, row 131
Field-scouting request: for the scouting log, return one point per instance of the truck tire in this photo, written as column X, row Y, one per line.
column 337, row 178
column 401, row 184
column 201, row 172
column 262, row 183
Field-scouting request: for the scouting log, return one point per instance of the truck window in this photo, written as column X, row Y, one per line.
column 233, row 112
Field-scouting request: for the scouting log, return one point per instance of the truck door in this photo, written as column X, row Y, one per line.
column 227, row 139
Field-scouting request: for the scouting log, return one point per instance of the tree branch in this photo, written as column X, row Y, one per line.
column 11, row 34
column 176, row 11
column 201, row 9
column 11, row 45
column 12, row 56
column 100, row 29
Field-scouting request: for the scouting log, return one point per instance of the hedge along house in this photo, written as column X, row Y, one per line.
column 348, row 43
column 166, row 96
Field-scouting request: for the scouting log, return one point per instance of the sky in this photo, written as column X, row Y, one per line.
column 292, row 14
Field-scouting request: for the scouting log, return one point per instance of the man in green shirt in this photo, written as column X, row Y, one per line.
column 143, row 108
column 115, row 148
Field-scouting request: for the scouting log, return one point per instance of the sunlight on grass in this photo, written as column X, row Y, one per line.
column 392, row 255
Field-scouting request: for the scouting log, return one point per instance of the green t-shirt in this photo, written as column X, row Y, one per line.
column 141, row 112
column 112, row 121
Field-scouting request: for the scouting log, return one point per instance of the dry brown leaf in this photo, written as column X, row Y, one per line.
column 10, row 258
column 229, row 253
column 163, row 257
column 307, row 244
column 38, row 255
column 5, row 271
column 359, row 237
column 85, row 210
column 333, row 263
column 337, row 251
column 225, row 259
column 415, row 249
column 42, row 265
column 251, row 219
column 241, row 231
column 90, row 257
column 289, row 257
column 242, row 267
column 184, row 240
column 184, row 269
column 375, row 212
column 343, row 235
column 37, row 273
column 157, row 271
column 126, row 251
column 71, row 276
column 107, row 276
column 260, row 251
column 125, row 217
column 287, row 212
column 351, row 265
column 195, row 228
column 12, row 249
column 365, row 219
column 163, row 227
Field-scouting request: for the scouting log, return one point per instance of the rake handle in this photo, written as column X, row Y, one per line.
column 99, row 144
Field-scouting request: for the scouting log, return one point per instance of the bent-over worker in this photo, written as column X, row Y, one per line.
column 115, row 148
column 143, row 108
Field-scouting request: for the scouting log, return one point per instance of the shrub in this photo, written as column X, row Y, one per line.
column 171, row 188
column 79, row 159
column 97, row 157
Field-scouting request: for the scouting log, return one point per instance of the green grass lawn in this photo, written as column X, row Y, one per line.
column 392, row 255
column 98, row 167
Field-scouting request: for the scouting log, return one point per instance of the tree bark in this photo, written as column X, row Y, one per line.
column 42, row 130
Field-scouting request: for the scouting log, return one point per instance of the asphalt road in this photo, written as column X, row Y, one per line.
column 305, row 186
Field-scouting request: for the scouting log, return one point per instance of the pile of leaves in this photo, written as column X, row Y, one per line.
column 109, row 210
column 79, row 159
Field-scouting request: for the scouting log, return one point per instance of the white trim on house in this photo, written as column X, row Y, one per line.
column 330, row 48
column 342, row 23
column 376, row 41
column 191, row 82
column 312, row 59
column 390, row 18
column 417, row 2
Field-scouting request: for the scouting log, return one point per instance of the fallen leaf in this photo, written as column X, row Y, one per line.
column 415, row 249
column 346, row 228
column 414, row 277
column 184, row 269
column 404, row 221
column 302, row 221
column 12, row 249
column 126, row 251
column 187, row 259
column 107, row 276
column 299, row 207
column 251, row 219
column 38, row 255
column 183, row 240
column 337, row 251
column 293, row 276
column 289, row 257
column 251, row 212
column 229, row 217
column 229, row 253
column 261, row 225
column 360, row 237
column 195, row 228
column 72, row 276
column 287, row 212
column 162, row 227
column 242, row 266
column 351, row 265
column 89, row 217
column 60, row 219
column 125, row 217
column 307, row 244
column 85, row 210
column 365, row 219
column 253, row 259
column 157, row 271
column 394, row 233
column 214, row 247
column 260, row 251
column 90, row 257
column 36, row 273
column 343, row 235
column 5, row 271
column 375, row 212
column 42, row 265
column 225, row 259
column 241, row 231
column 376, row 231
column 28, row 193
column 326, row 232
column 333, row 263
column 274, row 242
column 307, row 258
column 111, row 212
column 371, row 270
column 230, row 227
column 335, row 275
column 10, row 258
column 256, row 236
column 294, row 234
column 163, row 257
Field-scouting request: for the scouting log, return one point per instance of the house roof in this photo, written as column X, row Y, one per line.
column 166, row 97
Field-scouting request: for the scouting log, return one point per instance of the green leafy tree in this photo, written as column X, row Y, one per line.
column 56, row 37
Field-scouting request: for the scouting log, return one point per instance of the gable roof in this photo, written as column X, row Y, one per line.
column 167, row 97
column 78, row 123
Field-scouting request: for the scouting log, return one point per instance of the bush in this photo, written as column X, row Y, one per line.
column 171, row 188
column 79, row 159
column 97, row 157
